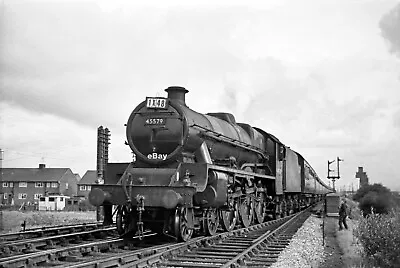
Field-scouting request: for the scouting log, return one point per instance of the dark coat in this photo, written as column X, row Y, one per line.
column 343, row 210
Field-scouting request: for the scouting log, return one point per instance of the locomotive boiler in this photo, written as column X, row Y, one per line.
column 198, row 172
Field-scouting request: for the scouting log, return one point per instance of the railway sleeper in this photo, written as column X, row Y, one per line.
column 231, row 246
column 218, row 249
column 262, row 259
column 240, row 244
column 212, row 254
column 204, row 256
column 50, row 244
column 194, row 259
column 180, row 264
column 276, row 247
column 30, row 248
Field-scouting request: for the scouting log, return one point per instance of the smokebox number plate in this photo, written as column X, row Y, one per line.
column 155, row 121
column 157, row 103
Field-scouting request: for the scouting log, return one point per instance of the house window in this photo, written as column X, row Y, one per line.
column 38, row 184
column 61, row 198
column 22, row 196
column 11, row 184
column 5, row 196
column 5, row 184
column 23, row 184
column 37, row 196
column 42, row 199
column 54, row 184
column 48, row 184
column 51, row 199
column 82, row 187
column 89, row 187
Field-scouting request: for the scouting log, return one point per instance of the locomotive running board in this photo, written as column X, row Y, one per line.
column 231, row 171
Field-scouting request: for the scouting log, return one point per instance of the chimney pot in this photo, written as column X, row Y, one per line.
column 177, row 93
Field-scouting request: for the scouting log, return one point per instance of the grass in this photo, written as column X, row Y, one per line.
column 370, row 242
column 12, row 220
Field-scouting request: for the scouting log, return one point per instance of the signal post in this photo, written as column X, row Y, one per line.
column 333, row 177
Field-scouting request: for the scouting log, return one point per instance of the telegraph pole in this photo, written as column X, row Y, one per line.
column 1, row 172
column 1, row 188
column 103, row 140
column 333, row 177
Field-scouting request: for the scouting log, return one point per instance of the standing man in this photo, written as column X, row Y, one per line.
column 343, row 215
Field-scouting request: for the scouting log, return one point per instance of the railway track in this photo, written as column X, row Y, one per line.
column 259, row 246
column 256, row 246
column 48, row 231
column 109, row 252
column 11, row 251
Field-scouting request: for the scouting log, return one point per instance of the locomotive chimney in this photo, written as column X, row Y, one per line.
column 177, row 94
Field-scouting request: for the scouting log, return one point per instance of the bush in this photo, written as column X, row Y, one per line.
column 376, row 198
column 379, row 235
column 374, row 201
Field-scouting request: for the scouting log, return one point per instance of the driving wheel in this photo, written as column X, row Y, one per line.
column 229, row 217
column 211, row 221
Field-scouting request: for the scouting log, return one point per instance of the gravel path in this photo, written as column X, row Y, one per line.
column 305, row 249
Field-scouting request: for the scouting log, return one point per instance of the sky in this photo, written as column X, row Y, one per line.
column 322, row 76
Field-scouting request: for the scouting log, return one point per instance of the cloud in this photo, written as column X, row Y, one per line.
column 390, row 29
column 77, row 68
column 316, row 75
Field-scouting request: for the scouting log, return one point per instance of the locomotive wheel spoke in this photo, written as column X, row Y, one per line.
column 259, row 207
column 229, row 218
column 181, row 228
column 211, row 221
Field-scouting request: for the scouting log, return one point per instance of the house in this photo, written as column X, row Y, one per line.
column 27, row 185
column 85, row 184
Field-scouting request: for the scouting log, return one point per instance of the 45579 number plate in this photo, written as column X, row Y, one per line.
column 155, row 121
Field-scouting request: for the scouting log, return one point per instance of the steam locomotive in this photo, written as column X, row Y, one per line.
column 201, row 172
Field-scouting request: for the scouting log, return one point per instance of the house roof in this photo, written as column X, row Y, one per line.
column 78, row 177
column 33, row 174
column 89, row 177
